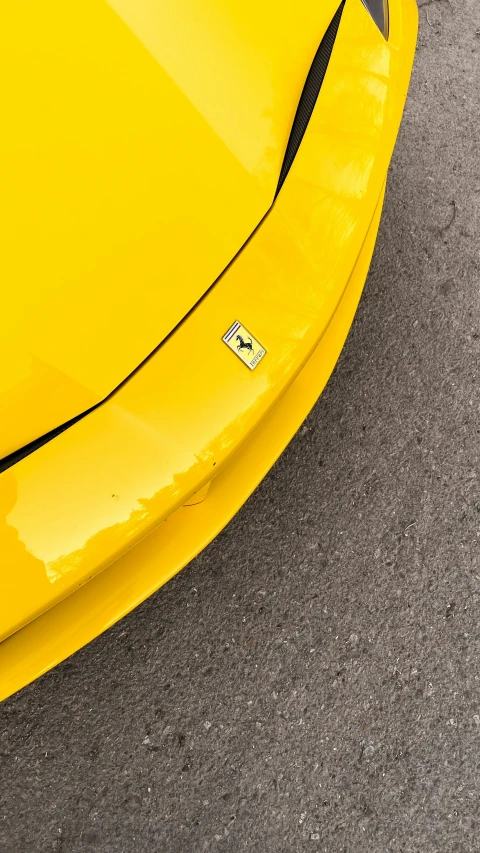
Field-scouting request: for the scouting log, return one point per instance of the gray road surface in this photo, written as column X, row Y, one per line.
column 312, row 681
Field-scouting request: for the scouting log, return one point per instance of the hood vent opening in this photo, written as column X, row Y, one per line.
column 309, row 94
column 305, row 108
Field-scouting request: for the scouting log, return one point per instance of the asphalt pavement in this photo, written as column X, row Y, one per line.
column 312, row 681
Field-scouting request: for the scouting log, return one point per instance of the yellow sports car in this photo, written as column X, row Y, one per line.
column 191, row 192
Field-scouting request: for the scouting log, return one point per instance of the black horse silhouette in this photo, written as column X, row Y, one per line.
column 244, row 344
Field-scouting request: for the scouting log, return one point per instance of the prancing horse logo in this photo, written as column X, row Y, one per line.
column 244, row 344
column 247, row 348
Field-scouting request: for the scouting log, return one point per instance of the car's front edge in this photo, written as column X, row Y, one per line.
column 100, row 516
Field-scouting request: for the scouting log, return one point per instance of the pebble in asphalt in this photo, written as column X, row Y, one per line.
column 312, row 680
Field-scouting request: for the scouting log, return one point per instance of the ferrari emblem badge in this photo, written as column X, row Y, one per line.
column 243, row 344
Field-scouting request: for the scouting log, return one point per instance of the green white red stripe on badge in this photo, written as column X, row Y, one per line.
column 244, row 345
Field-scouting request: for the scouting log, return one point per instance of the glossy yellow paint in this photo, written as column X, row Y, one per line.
column 97, row 605
column 193, row 409
column 141, row 144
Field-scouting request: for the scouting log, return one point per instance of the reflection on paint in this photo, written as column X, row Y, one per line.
column 71, row 508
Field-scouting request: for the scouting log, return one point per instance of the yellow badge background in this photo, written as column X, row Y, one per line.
column 250, row 357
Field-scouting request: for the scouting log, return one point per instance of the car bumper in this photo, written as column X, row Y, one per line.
column 96, row 520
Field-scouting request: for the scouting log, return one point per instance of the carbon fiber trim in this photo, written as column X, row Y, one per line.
column 309, row 94
column 27, row 449
column 302, row 117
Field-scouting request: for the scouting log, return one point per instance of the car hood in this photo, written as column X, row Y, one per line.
column 142, row 143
